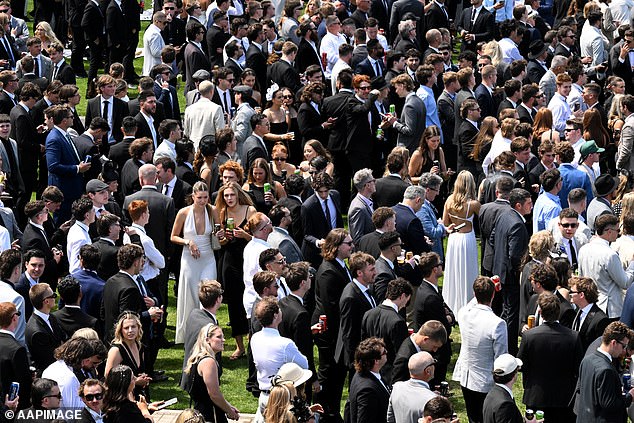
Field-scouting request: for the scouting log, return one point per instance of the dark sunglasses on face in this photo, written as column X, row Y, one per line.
column 93, row 397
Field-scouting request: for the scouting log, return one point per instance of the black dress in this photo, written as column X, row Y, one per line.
column 257, row 193
column 230, row 261
column 128, row 412
column 128, row 360
column 200, row 397
column 277, row 128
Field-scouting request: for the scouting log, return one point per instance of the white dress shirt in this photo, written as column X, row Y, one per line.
column 77, row 237
column 155, row 260
column 68, row 383
column 250, row 267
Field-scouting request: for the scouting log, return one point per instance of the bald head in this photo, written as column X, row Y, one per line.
column 147, row 174
column 419, row 366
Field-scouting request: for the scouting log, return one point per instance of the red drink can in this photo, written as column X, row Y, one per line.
column 324, row 59
column 497, row 283
column 410, row 331
column 323, row 321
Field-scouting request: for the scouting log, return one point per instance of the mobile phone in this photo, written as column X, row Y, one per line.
column 460, row 226
column 167, row 403
column 436, row 163
column 88, row 159
column 13, row 391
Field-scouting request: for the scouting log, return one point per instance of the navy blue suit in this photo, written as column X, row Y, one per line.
column 92, row 291
column 63, row 171
column 411, row 229
column 365, row 68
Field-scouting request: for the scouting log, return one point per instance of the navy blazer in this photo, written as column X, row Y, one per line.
column 365, row 68
column 92, row 291
column 411, row 229
column 63, row 162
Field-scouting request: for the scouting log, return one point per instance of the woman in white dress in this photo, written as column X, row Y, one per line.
column 461, row 260
column 192, row 229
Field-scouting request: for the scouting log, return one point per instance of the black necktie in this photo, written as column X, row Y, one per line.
column 196, row 96
column 573, row 255
column 377, row 68
column 36, row 68
column 473, row 16
column 576, row 325
column 328, row 217
column 104, row 114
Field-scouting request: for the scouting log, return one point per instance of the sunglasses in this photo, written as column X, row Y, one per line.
column 4, row 11
column 169, row 8
column 51, row 296
column 569, row 225
column 93, row 397
column 287, row 97
column 279, row 159
column 59, row 396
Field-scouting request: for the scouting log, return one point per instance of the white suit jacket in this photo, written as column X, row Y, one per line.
column 484, row 338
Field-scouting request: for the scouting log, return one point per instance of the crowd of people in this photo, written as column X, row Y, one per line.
column 302, row 120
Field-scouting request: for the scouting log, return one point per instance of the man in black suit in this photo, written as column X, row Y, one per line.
column 436, row 16
column 369, row 395
column 256, row 58
column 107, row 236
column 373, row 64
column 384, row 220
column 620, row 60
column 330, row 281
column 567, row 39
column 195, row 56
column 549, row 384
column 590, row 321
column 591, row 93
column 487, row 217
column 356, row 299
column 119, row 152
column 380, row 14
column 210, row 296
column 254, row 146
column 162, row 215
column 34, row 266
column 60, row 70
column 141, row 151
column 27, row 63
column 8, row 97
column 14, row 362
column 430, row 337
column 112, row 109
column 509, row 242
column 88, row 145
column 11, row 55
column 499, row 405
column 484, row 91
column 116, row 28
column 547, row 161
column 43, row 336
column 335, row 107
column 295, row 318
column 384, row 321
column 125, row 291
column 429, row 305
column 282, row 72
column 170, row 185
column 320, row 213
column 513, row 95
column 399, row 9
column 387, row 267
column 216, row 38
column 476, row 24
column 307, row 51
column 599, row 394
column 93, row 24
column 467, row 132
column 13, row 183
column 537, row 56
column 36, row 238
column 165, row 93
column 147, row 126
column 407, row 224
column 26, row 134
column 391, row 188
column 174, row 32
column 234, row 51
column 526, row 109
column 294, row 186
column 71, row 317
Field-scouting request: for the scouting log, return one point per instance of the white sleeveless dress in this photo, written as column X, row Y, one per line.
column 461, row 267
column 193, row 271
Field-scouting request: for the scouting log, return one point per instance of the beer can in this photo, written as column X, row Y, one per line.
column 297, row 172
column 216, row 227
column 627, row 381
column 379, row 133
column 409, row 255
column 444, row 388
column 267, row 187
column 531, row 322
column 539, row 414
column 14, row 390
column 530, row 414
column 392, row 109
column 230, row 224
column 323, row 320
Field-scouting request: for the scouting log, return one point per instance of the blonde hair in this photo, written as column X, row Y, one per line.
column 202, row 349
column 494, row 51
column 189, row 415
column 48, row 32
column 278, row 408
column 86, row 333
column 464, row 190
column 627, row 205
column 540, row 245
column 118, row 328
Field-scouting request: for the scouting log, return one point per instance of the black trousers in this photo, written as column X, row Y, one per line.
column 78, row 49
column 511, row 313
column 332, row 377
column 473, row 401
column 128, row 59
column 342, row 177
column 96, row 48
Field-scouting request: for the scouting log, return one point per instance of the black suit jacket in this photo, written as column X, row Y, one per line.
column 384, row 322
column 130, row 177
column 195, row 59
column 284, row 75
column 65, row 74
column 365, row 68
column 93, row 22
column 108, row 266
column 86, row 147
column 509, row 241
column 400, row 371
column 252, row 149
column 535, row 71
column 70, row 319
column 436, row 18
column 41, row 82
column 389, row 191
column 22, row 287
column 24, row 132
column 121, row 293
column 504, row 104
column 182, row 190
column 116, row 25
column 143, row 129
column 593, row 326
column 4, row 54
column 336, row 106
column 6, row 104
column 42, row 341
column 162, row 215
column 296, row 326
column 369, row 243
column 384, row 274
column 256, row 60
column 119, row 152
column 117, row 107
column 186, row 174
column 14, row 367
column 216, row 40
column 483, row 28
column 487, row 217
column 499, row 407
column 411, row 229
column 330, row 282
column 550, row 383
column 379, row 11
column 169, row 101
column 34, row 239
column 466, row 138
column 352, row 305
column 368, row 400
column 315, row 225
column 359, row 130
column 525, row 116
column 306, row 56
column 309, row 122
column 486, row 101
column 294, row 205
